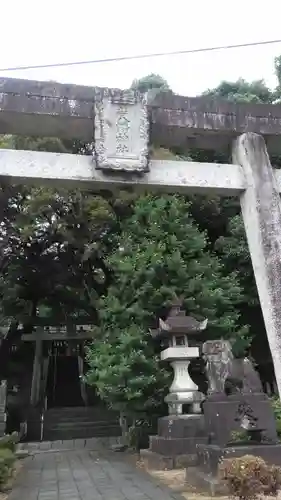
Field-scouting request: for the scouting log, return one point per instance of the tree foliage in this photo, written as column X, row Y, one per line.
column 150, row 82
column 53, row 244
column 243, row 91
column 56, row 259
column 161, row 255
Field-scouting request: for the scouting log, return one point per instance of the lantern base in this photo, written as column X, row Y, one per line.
column 177, row 440
column 176, row 402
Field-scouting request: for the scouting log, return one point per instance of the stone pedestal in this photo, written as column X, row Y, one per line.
column 210, row 455
column 223, row 416
column 205, row 475
column 183, row 390
column 239, row 418
column 176, row 443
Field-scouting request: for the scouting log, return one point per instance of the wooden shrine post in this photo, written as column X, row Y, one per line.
column 124, row 124
column 37, row 367
column 40, row 336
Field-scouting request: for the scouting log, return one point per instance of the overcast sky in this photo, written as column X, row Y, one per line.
column 57, row 31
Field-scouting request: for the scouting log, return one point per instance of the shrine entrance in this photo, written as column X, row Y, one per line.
column 60, row 403
column 59, row 366
column 64, row 382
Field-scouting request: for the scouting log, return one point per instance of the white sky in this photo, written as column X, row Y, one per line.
column 57, row 31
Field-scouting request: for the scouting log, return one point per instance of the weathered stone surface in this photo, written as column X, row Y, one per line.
column 223, row 370
column 85, row 475
column 225, row 415
column 209, row 123
column 209, row 456
column 239, row 418
column 244, row 370
column 158, row 461
column 176, row 442
column 121, row 131
column 218, row 356
column 178, row 434
column 69, row 170
column 204, row 475
column 261, row 211
column 67, row 111
column 174, row 447
column 181, row 426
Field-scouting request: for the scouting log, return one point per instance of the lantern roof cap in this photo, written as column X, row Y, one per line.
column 177, row 322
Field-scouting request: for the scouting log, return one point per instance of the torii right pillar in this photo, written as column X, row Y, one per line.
column 261, row 210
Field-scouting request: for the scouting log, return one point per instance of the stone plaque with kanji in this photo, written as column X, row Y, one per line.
column 121, row 131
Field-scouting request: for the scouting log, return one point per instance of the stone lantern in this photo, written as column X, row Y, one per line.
column 183, row 429
column 176, row 331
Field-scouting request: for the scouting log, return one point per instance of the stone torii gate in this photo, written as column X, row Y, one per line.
column 121, row 124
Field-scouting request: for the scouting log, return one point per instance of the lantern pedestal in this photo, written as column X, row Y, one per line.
column 175, row 445
column 183, row 391
column 179, row 433
column 184, row 428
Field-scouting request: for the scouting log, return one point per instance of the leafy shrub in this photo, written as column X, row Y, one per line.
column 139, row 432
column 248, row 477
column 273, row 486
column 138, row 435
column 238, row 436
column 7, row 459
column 9, row 441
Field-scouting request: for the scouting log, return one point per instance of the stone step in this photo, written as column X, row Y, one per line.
column 81, row 418
column 86, row 418
column 75, row 423
column 80, row 433
column 88, row 425
column 83, row 414
column 80, row 423
column 79, row 410
column 69, row 425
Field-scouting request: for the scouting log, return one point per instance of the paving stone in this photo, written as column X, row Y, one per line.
column 76, row 473
column 45, row 445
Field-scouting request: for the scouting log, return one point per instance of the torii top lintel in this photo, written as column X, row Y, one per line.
column 67, row 111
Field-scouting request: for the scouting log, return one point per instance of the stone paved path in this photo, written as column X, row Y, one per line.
column 82, row 474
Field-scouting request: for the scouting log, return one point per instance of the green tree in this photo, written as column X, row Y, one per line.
column 233, row 247
column 161, row 255
column 150, row 82
column 243, row 91
column 277, row 92
column 53, row 244
column 57, row 260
